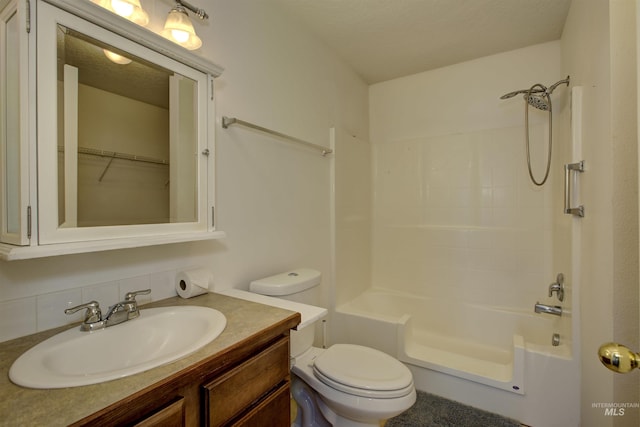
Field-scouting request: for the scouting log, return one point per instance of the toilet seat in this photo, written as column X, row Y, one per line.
column 348, row 405
column 363, row 371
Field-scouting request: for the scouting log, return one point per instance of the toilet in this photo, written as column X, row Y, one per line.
column 344, row 385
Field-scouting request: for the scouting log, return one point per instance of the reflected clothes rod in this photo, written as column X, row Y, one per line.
column 228, row 121
column 117, row 155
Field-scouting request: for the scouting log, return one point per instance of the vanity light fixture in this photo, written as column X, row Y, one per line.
column 179, row 28
column 128, row 9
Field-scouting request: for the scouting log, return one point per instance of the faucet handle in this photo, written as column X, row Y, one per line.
column 132, row 304
column 558, row 287
column 131, row 296
column 93, row 313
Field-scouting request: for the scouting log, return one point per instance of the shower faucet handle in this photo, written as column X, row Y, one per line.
column 558, row 287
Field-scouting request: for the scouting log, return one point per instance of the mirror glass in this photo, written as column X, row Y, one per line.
column 127, row 137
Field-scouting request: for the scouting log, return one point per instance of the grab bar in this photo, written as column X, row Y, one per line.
column 576, row 167
column 228, row 121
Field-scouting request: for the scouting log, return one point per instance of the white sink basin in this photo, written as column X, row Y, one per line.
column 159, row 336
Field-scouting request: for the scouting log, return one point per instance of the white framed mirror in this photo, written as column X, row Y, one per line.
column 121, row 141
column 107, row 133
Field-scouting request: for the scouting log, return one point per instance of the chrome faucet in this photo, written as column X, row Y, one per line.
column 117, row 313
column 556, row 310
column 92, row 316
column 124, row 310
column 557, row 287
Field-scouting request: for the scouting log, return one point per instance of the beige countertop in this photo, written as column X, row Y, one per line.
column 21, row 406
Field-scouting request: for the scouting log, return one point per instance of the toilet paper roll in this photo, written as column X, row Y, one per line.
column 191, row 283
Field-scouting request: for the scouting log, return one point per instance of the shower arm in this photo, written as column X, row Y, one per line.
column 555, row 85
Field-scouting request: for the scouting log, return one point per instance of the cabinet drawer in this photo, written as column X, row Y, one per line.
column 274, row 411
column 171, row 415
column 234, row 391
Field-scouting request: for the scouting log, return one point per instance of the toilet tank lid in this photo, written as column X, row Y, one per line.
column 287, row 283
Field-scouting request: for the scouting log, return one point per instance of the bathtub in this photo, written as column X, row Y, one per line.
column 496, row 359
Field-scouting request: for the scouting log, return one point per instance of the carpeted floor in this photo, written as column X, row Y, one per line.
column 434, row 411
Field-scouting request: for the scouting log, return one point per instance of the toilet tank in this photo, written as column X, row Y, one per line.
column 301, row 286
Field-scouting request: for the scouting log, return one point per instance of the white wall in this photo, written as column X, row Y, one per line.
column 598, row 47
column 352, row 218
column 455, row 215
column 585, row 45
column 626, row 288
column 272, row 197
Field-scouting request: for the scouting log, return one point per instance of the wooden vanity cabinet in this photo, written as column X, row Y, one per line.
column 171, row 415
column 248, row 385
column 262, row 378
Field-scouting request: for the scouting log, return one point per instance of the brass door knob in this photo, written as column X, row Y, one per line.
column 618, row 358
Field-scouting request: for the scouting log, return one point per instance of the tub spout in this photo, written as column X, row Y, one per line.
column 556, row 310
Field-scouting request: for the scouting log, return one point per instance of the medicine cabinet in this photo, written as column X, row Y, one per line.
column 106, row 133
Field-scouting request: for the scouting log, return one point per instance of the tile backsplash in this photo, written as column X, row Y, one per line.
column 24, row 316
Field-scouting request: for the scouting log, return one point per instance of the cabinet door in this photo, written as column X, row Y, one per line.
column 120, row 144
column 236, row 391
column 14, row 178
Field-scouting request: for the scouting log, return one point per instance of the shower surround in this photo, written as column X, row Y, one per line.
column 454, row 213
column 455, row 222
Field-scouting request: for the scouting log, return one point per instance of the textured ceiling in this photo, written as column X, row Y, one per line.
column 386, row 39
column 138, row 80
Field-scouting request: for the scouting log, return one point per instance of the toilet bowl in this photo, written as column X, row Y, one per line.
column 351, row 393
column 344, row 385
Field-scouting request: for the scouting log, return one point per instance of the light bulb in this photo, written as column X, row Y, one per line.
column 114, row 57
column 122, row 7
column 178, row 28
column 180, row 36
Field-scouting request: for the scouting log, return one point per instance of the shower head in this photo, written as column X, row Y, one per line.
column 537, row 95
column 534, row 96
column 538, row 100
column 518, row 92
